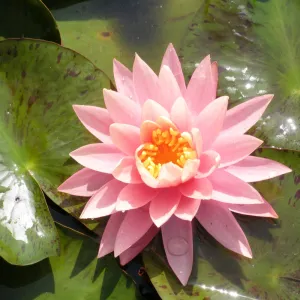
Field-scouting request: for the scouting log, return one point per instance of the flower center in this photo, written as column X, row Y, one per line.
column 167, row 146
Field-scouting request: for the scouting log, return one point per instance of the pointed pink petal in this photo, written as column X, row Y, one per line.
column 215, row 75
column 125, row 137
column 84, row 183
column 197, row 140
column 198, row 188
column 243, row 116
column 134, row 250
column 178, row 243
column 99, row 157
column 134, row 196
column 235, row 148
column 103, row 203
column 126, row 171
column 209, row 161
column 169, row 89
column 147, row 128
column 230, row 189
column 121, row 108
column 171, row 60
column 221, row 224
column 96, row 120
column 145, row 81
column 169, row 175
column 190, row 169
column 252, row 169
column 152, row 110
column 123, row 79
column 108, row 239
column 181, row 115
column 187, row 208
column 201, row 89
column 134, row 226
column 210, row 120
column 258, row 210
column 164, row 205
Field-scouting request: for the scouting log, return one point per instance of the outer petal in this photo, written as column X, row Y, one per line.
column 230, row 189
column 169, row 89
column 221, row 224
column 145, row 81
column 181, row 115
column 152, row 111
column 121, row 108
column 209, row 161
column 187, row 208
column 215, row 75
column 210, row 120
column 171, row 60
column 252, row 169
column 242, row 117
column 126, row 171
column 134, row 250
column 125, row 137
column 96, row 120
column 135, row 196
column 108, row 239
column 103, row 203
column 164, row 205
column 124, row 80
column 201, row 89
column 198, row 188
column 235, row 148
column 99, row 157
column 178, row 244
column 134, row 226
column 84, row 183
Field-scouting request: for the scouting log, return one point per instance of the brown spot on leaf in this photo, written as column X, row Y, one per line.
column 90, row 77
column 163, row 286
column 23, row 74
column 71, row 73
column 31, row 101
column 104, row 35
column 37, row 46
column 59, row 57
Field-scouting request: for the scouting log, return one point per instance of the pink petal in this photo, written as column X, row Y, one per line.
column 125, row 137
column 178, row 243
column 169, row 175
column 123, row 79
column 96, row 120
column 258, row 210
column 169, row 89
column 190, row 169
column 126, row 171
column 181, row 115
column 99, row 157
column 171, row 60
column 145, row 81
column 230, row 189
column 235, row 148
column 210, row 120
column 197, row 140
column 108, row 239
column 164, row 205
column 121, row 108
column 221, row 224
column 103, row 203
column 187, row 208
column 209, row 161
column 243, row 116
column 147, row 128
column 201, row 89
column 198, row 188
column 84, row 183
column 215, row 75
column 134, row 196
column 134, row 250
column 152, row 111
column 134, row 226
column 252, row 169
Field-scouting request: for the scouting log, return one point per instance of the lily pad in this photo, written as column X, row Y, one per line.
column 27, row 18
column 76, row 274
column 274, row 271
column 257, row 48
column 39, row 82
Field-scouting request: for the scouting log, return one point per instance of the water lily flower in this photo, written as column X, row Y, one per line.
column 170, row 153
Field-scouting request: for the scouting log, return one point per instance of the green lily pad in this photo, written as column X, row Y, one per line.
column 274, row 271
column 103, row 29
column 257, row 48
column 27, row 18
column 39, row 82
column 76, row 274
